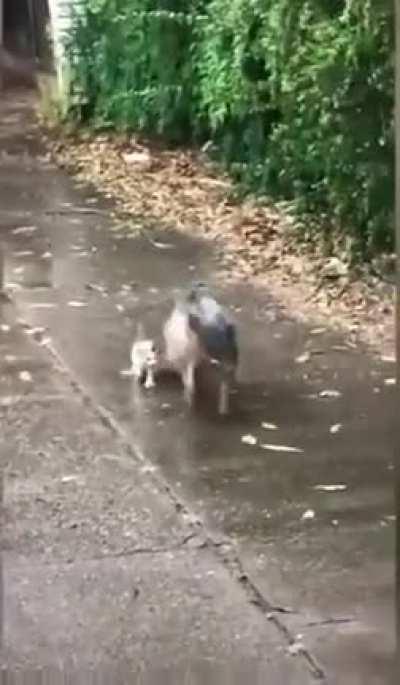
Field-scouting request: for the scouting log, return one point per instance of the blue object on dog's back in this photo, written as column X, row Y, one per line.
column 208, row 320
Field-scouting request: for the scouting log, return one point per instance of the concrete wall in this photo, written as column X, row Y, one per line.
column 61, row 12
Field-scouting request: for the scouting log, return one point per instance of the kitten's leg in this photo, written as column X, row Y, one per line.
column 138, row 372
column 188, row 383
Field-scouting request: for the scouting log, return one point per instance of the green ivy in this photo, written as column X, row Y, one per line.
column 132, row 66
column 297, row 95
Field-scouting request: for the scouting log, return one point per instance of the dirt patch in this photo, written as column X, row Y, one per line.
column 182, row 190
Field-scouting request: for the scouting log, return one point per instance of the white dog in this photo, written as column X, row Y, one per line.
column 198, row 329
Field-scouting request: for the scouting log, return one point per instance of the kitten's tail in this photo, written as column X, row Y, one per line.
column 140, row 332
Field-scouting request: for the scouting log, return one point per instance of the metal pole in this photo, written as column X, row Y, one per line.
column 1, row 36
column 1, row 268
column 31, row 12
column 397, row 309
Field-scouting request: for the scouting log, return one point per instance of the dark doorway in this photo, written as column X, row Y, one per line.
column 25, row 29
column 18, row 34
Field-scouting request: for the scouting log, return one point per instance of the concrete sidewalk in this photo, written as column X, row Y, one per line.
column 99, row 569
column 138, row 534
column 102, row 570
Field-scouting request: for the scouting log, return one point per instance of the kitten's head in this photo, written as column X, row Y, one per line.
column 146, row 352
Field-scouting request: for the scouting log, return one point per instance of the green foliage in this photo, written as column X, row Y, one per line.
column 297, row 95
column 132, row 66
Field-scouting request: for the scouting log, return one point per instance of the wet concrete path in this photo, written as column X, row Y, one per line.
column 328, row 578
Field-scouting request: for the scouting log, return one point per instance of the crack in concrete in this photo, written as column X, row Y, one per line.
column 12, row 400
column 167, row 549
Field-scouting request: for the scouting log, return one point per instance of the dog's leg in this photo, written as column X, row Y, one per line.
column 223, row 398
column 149, row 378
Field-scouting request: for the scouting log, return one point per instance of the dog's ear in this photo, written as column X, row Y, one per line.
column 194, row 323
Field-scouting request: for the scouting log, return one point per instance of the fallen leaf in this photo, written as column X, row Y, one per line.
column 296, row 648
column 281, row 448
column 23, row 253
column 317, row 331
column 68, row 479
column 308, row 515
column 96, row 287
column 249, row 439
column 302, row 358
column 269, row 426
column 42, row 305
column 149, row 468
column 339, row 487
column 25, row 376
column 77, row 303
column 330, row 393
column 142, row 158
column 24, row 229
column 160, row 245
column 336, row 428
column 335, row 268
column 9, row 400
column 13, row 286
column 36, row 333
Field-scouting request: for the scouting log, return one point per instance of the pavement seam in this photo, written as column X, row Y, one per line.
column 113, row 555
column 231, row 560
column 10, row 401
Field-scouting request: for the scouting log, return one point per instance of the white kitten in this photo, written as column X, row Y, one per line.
column 144, row 358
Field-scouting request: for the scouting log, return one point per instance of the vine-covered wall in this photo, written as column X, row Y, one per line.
column 296, row 95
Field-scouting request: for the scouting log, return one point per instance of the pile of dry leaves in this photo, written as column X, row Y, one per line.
column 182, row 190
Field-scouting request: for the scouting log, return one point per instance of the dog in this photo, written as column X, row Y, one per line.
column 199, row 330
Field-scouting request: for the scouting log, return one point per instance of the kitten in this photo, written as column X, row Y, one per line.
column 144, row 359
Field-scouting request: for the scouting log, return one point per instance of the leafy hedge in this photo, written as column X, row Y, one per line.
column 132, row 65
column 296, row 95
